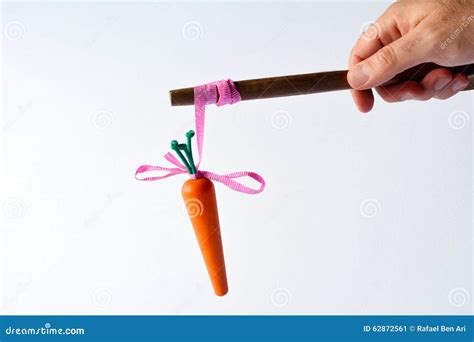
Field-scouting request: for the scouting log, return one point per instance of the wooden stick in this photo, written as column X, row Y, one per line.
column 320, row 82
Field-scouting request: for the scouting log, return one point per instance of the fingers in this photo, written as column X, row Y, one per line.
column 435, row 82
column 365, row 47
column 373, row 39
column 363, row 99
column 376, row 36
column 388, row 61
column 398, row 44
column 458, row 83
column 438, row 83
column 401, row 92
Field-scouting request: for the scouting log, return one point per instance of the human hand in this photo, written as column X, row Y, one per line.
column 410, row 33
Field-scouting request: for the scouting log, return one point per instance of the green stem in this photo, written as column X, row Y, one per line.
column 187, row 148
column 189, row 135
column 184, row 147
column 176, row 147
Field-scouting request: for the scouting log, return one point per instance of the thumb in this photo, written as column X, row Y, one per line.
column 386, row 63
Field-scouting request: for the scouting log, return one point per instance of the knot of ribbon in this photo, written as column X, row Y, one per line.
column 219, row 93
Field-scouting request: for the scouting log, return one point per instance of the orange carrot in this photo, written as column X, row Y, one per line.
column 200, row 199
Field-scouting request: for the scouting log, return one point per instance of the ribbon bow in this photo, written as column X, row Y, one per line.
column 219, row 93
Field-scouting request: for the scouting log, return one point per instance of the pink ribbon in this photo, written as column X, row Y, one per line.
column 219, row 93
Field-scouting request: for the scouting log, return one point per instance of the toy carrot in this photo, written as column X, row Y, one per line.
column 198, row 192
column 200, row 199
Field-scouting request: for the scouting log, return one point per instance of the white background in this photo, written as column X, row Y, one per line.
column 362, row 214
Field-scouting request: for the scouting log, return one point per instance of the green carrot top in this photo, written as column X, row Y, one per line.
column 188, row 151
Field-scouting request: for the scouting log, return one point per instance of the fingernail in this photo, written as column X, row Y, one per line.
column 458, row 85
column 359, row 75
column 441, row 83
column 406, row 96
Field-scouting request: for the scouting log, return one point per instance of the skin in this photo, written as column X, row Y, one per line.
column 411, row 32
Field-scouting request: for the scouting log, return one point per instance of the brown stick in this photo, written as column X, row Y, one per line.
column 304, row 84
